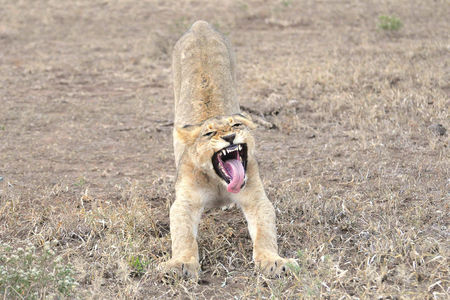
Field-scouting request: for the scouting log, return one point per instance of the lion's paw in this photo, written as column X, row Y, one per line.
column 273, row 265
column 188, row 268
column 228, row 207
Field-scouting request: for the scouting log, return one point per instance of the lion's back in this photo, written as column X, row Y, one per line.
column 204, row 75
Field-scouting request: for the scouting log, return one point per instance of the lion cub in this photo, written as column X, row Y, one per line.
column 214, row 153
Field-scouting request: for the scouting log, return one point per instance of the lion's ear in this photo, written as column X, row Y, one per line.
column 245, row 119
column 187, row 134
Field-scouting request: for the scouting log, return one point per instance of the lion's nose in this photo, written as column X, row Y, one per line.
column 229, row 138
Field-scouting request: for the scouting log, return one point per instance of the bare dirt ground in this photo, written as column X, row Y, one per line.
column 359, row 179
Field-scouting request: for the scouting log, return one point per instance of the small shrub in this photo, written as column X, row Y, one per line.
column 81, row 181
column 138, row 266
column 389, row 23
column 286, row 3
column 27, row 274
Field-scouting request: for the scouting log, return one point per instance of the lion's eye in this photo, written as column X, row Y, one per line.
column 237, row 125
column 211, row 133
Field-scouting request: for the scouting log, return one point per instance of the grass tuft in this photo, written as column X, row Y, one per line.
column 32, row 274
column 389, row 23
column 138, row 265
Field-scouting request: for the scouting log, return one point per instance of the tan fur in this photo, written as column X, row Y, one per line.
column 205, row 101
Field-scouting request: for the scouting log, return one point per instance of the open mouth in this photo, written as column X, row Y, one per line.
column 230, row 164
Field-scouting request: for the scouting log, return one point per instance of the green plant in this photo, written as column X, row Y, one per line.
column 286, row 3
column 243, row 6
column 32, row 274
column 81, row 181
column 389, row 23
column 2, row 127
column 138, row 266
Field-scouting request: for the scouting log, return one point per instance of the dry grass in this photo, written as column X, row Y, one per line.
column 359, row 179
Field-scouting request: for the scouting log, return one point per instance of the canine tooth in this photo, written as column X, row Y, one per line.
column 240, row 147
column 224, row 152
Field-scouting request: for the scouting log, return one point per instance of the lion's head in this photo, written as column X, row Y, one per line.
column 221, row 146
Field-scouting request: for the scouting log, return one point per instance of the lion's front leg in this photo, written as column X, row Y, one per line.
column 260, row 215
column 184, row 219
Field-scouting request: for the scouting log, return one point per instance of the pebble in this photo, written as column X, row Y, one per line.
column 437, row 129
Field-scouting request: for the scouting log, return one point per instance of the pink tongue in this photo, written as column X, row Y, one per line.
column 235, row 169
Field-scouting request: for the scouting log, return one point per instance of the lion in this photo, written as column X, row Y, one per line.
column 214, row 153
